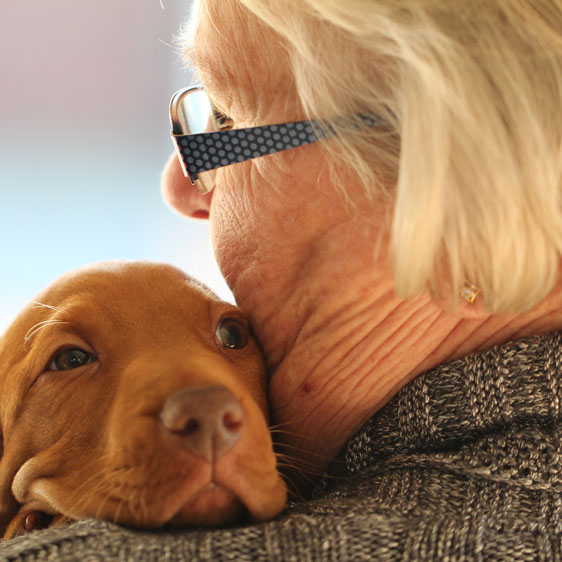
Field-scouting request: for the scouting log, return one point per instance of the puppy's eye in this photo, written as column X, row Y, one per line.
column 70, row 358
column 232, row 333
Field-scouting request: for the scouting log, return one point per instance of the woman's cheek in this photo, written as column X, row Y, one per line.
column 264, row 214
column 232, row 219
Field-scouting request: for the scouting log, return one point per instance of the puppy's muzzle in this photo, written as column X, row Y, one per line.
column 209, row 420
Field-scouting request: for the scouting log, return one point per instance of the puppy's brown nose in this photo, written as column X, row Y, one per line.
column 209, row 419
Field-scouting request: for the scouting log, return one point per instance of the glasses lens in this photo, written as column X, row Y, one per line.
column 196, row 114
column 191, row 114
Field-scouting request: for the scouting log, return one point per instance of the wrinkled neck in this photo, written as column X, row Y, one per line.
column 343, row 345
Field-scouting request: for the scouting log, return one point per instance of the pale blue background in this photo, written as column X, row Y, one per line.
column 84, row 134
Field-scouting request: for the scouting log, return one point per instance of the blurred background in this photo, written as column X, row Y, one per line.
column 84, row 135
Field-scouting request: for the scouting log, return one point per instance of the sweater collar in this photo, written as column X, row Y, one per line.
column 516, row 383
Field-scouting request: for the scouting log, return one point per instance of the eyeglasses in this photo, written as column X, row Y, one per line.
column 204, row 138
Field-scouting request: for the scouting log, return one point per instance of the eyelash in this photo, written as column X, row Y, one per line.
column 224, row 122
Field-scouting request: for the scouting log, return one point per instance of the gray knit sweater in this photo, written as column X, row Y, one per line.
column 464, row 464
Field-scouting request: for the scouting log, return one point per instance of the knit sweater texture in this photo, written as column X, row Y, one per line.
column 465, row 463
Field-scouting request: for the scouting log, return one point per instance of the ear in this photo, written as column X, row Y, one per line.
column 15, row 363
column 8, row 504
column 473, row 310
column 466, row 301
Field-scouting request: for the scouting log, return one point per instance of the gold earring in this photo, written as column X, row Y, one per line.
column 469, row 292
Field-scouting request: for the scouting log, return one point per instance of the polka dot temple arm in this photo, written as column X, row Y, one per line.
column 208, row 151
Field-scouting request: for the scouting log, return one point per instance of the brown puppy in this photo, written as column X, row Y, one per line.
column 129, row 392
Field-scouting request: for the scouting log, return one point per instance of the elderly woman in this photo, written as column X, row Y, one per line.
column 400, row 267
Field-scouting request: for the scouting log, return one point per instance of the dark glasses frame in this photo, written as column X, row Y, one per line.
column 207, row 151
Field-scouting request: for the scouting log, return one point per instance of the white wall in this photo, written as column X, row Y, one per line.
column 84, row 133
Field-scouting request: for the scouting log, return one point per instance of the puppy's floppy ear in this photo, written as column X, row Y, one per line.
column 8, row 504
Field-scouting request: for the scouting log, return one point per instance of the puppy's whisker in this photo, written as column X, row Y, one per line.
column 84, row 498
column 287, row 456
column 295, row 481
column 118, row 511
column 285, row 432
column 143, row 508
column 36, row 327
column 286, row 446
column 102, row 488
column 293, row 488
column 77, row 497
column 300, row 466
column 49, row 306
column 104, row 492
column 39, row 326
column 276, row 426
column 97, row 478
column 146, row 504
column 293, row 466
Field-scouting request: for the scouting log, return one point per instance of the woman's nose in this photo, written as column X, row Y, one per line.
column 181, row 195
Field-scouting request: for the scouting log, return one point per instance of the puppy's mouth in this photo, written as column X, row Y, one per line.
column 212, row 505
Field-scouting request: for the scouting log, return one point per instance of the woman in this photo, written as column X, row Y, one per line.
column 424, row 241
column 445, row 190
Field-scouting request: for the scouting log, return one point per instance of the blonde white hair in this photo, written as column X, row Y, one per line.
column 471, row 94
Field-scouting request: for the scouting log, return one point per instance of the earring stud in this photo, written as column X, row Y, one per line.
column 469, row 292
